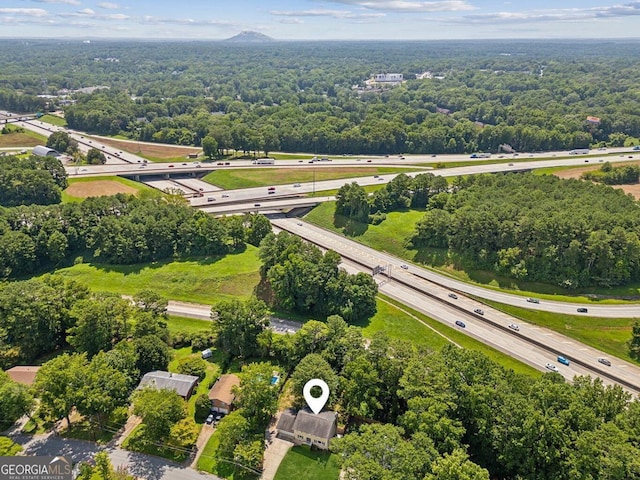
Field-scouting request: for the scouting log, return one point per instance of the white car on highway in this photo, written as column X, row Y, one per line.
column 552, row 367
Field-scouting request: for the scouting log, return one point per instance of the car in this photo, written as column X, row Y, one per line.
column 256, row 204
column 533, row 300
column 227, row 163
column 630, row 156
column 296, row 185
column 225, row 195
column 210, row 199
column 604, row 361
column 636, row 148
column 586, row 161
column 219, row 417
column 300, row 161
column 380, row 178
column 184, row 164
column 171, row 166
column 460, row 323
column 271, row 192
column 582, row 310
column 209, row 419
column 453, row 295
column 404, row 266
column 433, row 155
column 219, row 163
column 478, row 311
column 376, row 176
column 311, row 161
column 299, row 224
column 514, row 326
column 552, row 367
column 563, row 360
column 511, row 164
column 271, row 189
column 201, row 189
column 368, row 161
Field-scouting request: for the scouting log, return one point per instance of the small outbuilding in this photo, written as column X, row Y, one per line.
column 23, row 374
column 183, row 385
column 221, row 394
column 42, row 151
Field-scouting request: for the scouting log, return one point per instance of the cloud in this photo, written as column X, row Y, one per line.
column 151, row 20
column 109, row 5
column 64, row 2
column 554, row 15
column 404, row 6
column 86, row 11
column 291, row 21
column 339, row 14
column 26, row 12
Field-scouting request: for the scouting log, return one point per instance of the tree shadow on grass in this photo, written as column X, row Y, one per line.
column 350, row 227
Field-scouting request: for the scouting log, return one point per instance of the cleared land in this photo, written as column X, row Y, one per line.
column 633, row 189
column 260, row 177
column 98, row 189
column 156, row 152
column 18, row 139
column 81, row 188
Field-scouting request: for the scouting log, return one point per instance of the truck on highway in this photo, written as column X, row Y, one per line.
column 481, row 155
column 265, row 161
column 579, row 151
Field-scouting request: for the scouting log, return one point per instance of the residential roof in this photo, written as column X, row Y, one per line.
column 23, row 374
column 181, row 384
column 222, row 388
column 319, row 425
column 286, row 421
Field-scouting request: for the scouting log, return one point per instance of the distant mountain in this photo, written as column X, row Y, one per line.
column 250, row 37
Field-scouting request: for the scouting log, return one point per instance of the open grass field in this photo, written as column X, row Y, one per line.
column 302, row 462
column 607, row 334
column 189, row 325
column 54, row 120
column 81, row 188
column 389, row 237
column 24, row 139
column 152, row 151
column 213, row 372
column 259, row 177
column 199, row 281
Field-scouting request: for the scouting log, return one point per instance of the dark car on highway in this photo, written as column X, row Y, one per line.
column 460, row 323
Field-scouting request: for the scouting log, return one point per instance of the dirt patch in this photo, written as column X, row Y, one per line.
column 98, row 189
column 160, row 151
column 633, row 189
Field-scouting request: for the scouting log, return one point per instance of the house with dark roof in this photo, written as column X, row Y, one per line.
column 23, row 374
column 183, row 385
column 306, row 428
column 222, row 395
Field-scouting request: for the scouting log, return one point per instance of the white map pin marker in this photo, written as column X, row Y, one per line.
column 316, row 404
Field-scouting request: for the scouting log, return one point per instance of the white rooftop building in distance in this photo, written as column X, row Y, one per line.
column 390, row 79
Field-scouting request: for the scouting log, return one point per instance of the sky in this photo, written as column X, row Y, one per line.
column 320, row 19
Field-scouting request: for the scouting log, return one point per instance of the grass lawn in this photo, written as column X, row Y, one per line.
column 302, row 463
column 104, row 186
column 81, row 427
column 259, row 177
column 189, row 325
column 607, row 334
column 389, row 237
column 206, row 280
column 54, row 120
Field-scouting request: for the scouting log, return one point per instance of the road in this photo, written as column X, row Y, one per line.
column 370, row 257
column 144, row 466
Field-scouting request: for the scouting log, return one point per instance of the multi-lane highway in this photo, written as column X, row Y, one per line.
column 531, row 344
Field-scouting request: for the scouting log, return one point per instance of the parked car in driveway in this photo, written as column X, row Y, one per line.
column 209, row 419
column 460, row 323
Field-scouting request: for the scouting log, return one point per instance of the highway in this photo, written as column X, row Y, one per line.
column 533, row 345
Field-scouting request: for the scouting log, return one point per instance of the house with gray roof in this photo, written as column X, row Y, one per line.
column 306, row 428
column 183, row 385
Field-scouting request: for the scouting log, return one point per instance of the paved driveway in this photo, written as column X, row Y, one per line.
column 273, row 455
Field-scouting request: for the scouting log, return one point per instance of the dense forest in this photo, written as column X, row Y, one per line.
column 33, row 180
column 301, row 96
column 540, row 228
column 120, row 229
